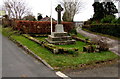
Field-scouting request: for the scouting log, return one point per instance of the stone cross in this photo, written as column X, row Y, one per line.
column 59, row 9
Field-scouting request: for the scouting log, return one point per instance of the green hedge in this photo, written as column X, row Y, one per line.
column 113, row 30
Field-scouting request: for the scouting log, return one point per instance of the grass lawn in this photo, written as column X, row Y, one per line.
column 60, row 60
column 41, row 38
column 79, row 45
column 81, row 36
column 63, row 59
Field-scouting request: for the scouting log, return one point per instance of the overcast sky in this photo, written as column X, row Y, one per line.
column 44, row 7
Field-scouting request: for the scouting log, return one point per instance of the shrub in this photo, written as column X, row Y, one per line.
column 87, row 22
column 94, row 22
column 86, row 26
column 29, row 17
column 73, row 31
column 102, row 42
column 110, row 29
column 97, row 44
column 40, row 26
column 108, row 19
column 118, row 21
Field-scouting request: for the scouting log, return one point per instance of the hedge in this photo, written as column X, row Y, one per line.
column 42, row 27
column 113, row 30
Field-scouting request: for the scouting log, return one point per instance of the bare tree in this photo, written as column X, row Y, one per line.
column 16, row 8
column 71, row 7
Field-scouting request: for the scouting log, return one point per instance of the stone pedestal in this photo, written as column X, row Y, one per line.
column 59, row 28
column 59, row 37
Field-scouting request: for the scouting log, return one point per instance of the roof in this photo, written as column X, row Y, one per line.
column 47, row 19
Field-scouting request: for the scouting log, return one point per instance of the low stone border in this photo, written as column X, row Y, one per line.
column 51, row 47
column 31, row 53
column 78, row 39
column 46, row 64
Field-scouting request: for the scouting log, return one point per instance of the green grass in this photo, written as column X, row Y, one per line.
column 7, row 31
column 79, row 45
column 60, row 60
column 64, row 59
column 41, row 38
column 81, row 36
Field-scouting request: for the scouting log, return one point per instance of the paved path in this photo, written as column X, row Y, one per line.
column 15, row 63
column 114, row 44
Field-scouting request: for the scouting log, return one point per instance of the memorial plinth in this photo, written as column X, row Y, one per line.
column 59, row 37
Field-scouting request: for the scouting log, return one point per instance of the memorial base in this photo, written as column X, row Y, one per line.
column 60, row 38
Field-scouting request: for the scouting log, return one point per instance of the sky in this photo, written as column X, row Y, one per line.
column 44, row 7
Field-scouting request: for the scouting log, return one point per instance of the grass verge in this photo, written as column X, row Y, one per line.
column 61, row 60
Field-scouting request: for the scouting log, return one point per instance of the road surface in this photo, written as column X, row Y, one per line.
column 15, row 63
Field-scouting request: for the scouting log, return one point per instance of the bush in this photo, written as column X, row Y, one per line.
column 108, row 19
column 97, row 44
column 40, row 26
column 86, row 26
column 118, row 21
column 29, row 17
column 73, row 31
column 114, row 21
column 101, row 42
column 94, row 22
column 110, row 29
column 87, row 22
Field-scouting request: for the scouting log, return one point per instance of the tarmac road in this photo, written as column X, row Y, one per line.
column 15, row 63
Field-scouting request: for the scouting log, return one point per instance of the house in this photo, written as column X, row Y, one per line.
column 78, row 23
column 47, row 19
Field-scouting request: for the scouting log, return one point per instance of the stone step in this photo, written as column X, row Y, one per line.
column 59, row 34
column 68, row 42
column 63, row 38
